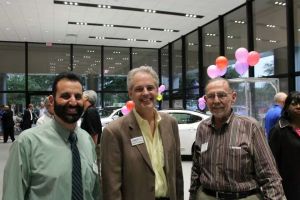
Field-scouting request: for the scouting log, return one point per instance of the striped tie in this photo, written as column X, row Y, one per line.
column 76, row 170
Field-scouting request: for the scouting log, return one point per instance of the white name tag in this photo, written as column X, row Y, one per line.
column 137, row 141
column 95, row 168
column 204, row 147
column 232, row 147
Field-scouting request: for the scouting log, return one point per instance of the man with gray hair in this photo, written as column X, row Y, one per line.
column 274, row 113
column 91, row 119
column 48, row 113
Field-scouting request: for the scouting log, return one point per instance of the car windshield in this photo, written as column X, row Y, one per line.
column 106, row 112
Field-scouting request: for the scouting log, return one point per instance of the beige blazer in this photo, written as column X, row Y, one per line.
column 126, row 170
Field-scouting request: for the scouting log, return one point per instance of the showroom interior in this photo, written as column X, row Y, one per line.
column 180, row 47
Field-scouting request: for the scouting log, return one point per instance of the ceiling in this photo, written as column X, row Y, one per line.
column 49, row 21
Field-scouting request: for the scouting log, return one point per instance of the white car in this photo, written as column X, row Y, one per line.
column 188, row 122
column 108, row 116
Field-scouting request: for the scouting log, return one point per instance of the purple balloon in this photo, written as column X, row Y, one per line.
column 241, row 67
column 212, row 71
column 201, row 100
column 125, row 110
column 201, row 106
column 241, row 54
column 161, row 88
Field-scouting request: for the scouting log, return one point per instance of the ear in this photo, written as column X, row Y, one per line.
column 51, row 99
column 233, row 97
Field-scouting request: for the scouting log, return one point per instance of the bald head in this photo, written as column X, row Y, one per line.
column 279, row 98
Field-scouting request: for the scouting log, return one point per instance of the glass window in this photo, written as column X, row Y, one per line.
column 12, row 66
column 235, row 36
column 177, row 64
column 87, row 63
column 116, row 67
column 165, row 101
column 270, row 38
column 145, row 57
column 115, row 99
column 192, row 61
column 183, row 118
column 165, row 66
column 16, row 100
column 44, row 62
column 211, row 44
column 297, row 34
column 297, row 83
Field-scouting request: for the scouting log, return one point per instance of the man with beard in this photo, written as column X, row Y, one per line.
column 232, row 159
column 140, row 152
column 56, row 160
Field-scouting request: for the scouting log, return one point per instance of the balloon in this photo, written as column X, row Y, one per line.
column 201, row 106
column 125, row 110
column 241, row 67
column 201, row 100
column 221, row 62
column 222, row 72
column 253, row 58
column 130, row 105
column 159, row 97
column 241, row 54
column 161, row 88
column 212, row 71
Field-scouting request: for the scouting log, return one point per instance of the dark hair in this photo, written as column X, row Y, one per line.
column 292, row 97
column 64, row 75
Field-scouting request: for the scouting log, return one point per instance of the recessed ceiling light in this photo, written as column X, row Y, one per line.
column 8, row 2
column 7, row 28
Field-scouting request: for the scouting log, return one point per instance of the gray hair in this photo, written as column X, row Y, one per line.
column 91, row 95
column 142, row 69
column 280, row 98
column 218, row 79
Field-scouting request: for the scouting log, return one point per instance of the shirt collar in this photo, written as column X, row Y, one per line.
column 62, row 131
column 141, row 120
column 283, row 123
column 229, row 119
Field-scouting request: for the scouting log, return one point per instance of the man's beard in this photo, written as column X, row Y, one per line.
column 61, row 112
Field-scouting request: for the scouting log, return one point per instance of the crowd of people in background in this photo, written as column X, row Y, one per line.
column 234, row 157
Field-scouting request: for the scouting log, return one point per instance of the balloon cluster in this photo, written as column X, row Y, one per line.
column 127, row 108
column 201, row 103
column 161, row 89
column 243, row 60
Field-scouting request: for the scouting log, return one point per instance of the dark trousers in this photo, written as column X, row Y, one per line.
column 8, row 131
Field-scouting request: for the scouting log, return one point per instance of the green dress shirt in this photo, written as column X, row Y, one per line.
column 40, row 165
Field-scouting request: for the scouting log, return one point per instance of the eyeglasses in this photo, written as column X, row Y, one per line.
column 221, row 95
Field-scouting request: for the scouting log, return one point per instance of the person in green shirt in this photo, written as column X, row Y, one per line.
column 40, row 163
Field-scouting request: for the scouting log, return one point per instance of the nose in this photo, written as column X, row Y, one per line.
column 145, row 90
column 73, row 100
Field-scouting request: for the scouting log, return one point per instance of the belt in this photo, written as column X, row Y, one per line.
column 229, row 195
column 162, row 198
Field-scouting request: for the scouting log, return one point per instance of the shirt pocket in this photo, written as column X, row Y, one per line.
column 89, row 174
column 238, row 161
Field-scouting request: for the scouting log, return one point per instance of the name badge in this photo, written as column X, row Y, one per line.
column 95, row 168
column 204, row 147
column 137, row 141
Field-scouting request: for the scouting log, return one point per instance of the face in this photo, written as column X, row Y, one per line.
column 68, row 103
column 294, row 109
column 219, row 99
column 143, row 91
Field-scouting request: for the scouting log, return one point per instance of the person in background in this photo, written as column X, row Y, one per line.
column 48, row 113
column 8, row 124
column 42, row 109
column 231, row 158
column 55, row 160
column 91, row 119
column 27, row 117
column 140, row 152
column 273, row 114
column 285, row 145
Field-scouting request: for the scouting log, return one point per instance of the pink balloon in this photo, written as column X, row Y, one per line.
column 125, row 110
column 201, row 105
column 161, row 88
column 212, row 71
column 241, row 54
column 241, row 67
column 222, row 72
column 253, row 58
column 201, row 100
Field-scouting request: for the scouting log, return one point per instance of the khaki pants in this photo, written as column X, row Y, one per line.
column 202, row 196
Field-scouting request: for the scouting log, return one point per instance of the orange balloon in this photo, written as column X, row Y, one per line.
column 130, row 105
column 221, row 62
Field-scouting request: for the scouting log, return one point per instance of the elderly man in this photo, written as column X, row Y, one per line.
column 91, row 119
column 232, row 159
column 274, row 113
column 48, row 113
column 56, row 160
column 140, row 152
